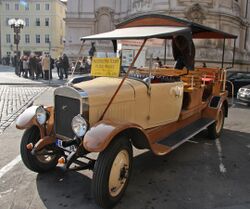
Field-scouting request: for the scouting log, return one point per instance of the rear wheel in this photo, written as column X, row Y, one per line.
column 39, row 162
column 112, row 172
column 215, row 129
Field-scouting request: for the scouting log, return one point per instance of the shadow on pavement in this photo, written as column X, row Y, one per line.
column 187, row 178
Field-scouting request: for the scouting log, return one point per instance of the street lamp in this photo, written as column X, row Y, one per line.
column 17, row 25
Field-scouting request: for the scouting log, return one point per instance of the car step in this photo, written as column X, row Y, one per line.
column 186, row 133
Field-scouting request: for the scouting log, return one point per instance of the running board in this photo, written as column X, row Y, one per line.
column 186, row 133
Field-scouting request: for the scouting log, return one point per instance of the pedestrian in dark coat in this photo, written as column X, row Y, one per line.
column 32, row 65
column 183, row 52
column 61, row 67
column 65, row 62
column 52, row 63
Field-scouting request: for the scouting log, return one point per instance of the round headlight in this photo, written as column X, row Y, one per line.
column 41, row 115
column 79, row 125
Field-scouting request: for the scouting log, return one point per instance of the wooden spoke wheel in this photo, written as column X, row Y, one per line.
column 112, row 171
column 39, row 162
column 215, row 129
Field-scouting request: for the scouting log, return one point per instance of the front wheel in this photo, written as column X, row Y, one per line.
column 39, row 162
column 215, row 129
column 112, row 171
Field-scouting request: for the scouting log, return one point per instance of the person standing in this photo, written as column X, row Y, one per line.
column 39, row 69
column 183, row 52
column 92, row 49
column 20, row 64
column 52, row 63
column 88, row 65
column 32, row 64
column 57, row 67
column 25, row 66
column 46, row 66
column 65, row 62
column 60, row 67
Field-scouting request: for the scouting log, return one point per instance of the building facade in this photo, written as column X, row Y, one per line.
column 86, row 17
column 44, row 30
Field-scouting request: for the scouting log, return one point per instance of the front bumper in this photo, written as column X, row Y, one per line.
column 243, row 97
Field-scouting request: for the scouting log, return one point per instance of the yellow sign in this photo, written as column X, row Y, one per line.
column 109, row 67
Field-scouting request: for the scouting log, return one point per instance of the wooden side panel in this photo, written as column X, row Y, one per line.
column 162, row 132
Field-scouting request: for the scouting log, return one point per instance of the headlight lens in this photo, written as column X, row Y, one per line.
column 79, row 125
column 41, row 116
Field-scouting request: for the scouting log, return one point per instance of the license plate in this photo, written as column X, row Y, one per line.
column 71, row 148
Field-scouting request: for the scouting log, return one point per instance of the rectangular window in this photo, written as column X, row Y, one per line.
column 38, row 7
column 7, row 21
column 37, row 21
column 46, row 21
column 27, row 6
column 16, row 7
column 38, row 41
column 47, row 7
column 27, row 22
column 27, row 38
column 47, row 38
column 8, row 38
column 7, row 6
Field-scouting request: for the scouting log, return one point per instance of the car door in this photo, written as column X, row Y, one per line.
column 165, row 102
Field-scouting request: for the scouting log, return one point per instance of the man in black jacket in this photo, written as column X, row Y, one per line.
column 65, row 62
column 183, row 52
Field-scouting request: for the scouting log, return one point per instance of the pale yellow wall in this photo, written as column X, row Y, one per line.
column 56, row 28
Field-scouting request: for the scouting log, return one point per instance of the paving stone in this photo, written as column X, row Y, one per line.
column 14, row 100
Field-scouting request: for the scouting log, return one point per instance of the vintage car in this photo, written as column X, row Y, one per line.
column 238, row 79
column 243, row 94
column 155, row 109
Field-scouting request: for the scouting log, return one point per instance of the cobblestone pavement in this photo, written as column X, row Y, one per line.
column 14, row 100
column 16, row 93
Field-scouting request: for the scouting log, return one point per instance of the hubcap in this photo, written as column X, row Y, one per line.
column 219, row 122
column 43, row 158
column 119, row 173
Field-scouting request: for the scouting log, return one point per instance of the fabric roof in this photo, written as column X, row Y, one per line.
column 198, row 31
column 139, row 33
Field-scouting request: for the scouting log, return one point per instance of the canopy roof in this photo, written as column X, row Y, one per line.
column 159, row 26
column 139, row 33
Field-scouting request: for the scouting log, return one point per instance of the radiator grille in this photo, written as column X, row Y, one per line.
column 65, row 110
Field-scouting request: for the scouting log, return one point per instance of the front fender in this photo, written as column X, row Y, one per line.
column 27, row 118
column 102, row 133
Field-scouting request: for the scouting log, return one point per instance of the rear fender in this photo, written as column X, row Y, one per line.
column 101, row 134
column 216, row 103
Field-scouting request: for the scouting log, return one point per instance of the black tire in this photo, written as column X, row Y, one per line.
column 215, row 129
column 32, row 135
column 102, row 170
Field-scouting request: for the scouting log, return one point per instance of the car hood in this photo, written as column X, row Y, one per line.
column 246, row 87
column 100, row 90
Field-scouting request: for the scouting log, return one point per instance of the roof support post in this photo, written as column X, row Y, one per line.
column 165, row 51
column 114, row 42
column 223, row 53
column 234, row 52
column 79, row 55
column 124, row 78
